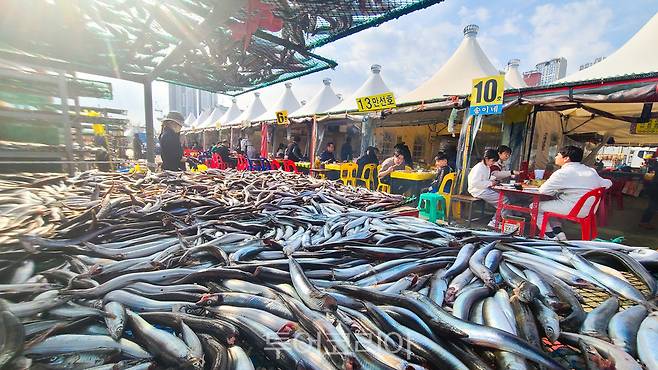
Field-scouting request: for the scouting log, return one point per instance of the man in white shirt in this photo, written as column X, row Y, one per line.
column 480, row 181
column 568, row 185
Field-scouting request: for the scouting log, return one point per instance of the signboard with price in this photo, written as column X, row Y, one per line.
column 376, row 102
column 487, row 95
column 282, row 117
column 645, row 128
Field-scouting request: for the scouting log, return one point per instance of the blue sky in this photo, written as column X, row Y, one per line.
column 411, row 48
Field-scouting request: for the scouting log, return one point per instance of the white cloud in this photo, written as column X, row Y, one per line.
column 474, row 15
column 576, row 31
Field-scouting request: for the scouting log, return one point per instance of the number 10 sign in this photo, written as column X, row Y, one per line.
column 487, row 95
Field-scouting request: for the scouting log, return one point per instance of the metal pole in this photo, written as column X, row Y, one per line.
column 532, row 133
column 68, row 136
column 314, row 135
column 366, row 133
column 148, row 120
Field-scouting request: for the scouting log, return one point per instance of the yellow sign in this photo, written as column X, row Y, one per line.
column 376, row 102
column 650, row 127
column 487, row 95
column 282, row 117
column 99, row 129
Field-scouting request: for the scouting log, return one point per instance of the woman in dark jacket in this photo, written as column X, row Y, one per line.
column 171, row 151
column 369, row 157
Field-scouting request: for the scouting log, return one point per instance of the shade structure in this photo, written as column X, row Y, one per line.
column 322, row 102
column 255, row 109
column 213, row 118
column 372, row 86
column 202, row 118
column 231, row 114
column 287, row 102
column 188, row 121
column 228, row 46
column 513, row 76
column 456, row 75
column 637, row 56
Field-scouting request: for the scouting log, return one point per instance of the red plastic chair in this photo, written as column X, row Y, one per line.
column 275, row 164
column 587, row 223
column 289, row 166
column 242, row 165
column 217, row 162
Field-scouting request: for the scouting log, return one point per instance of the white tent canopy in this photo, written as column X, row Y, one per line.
column 188, row 121
column 287, row 102
column 637, row 56
column 256, row 108
column 372, row 86
column 202, row 118
column 232, row 113
column 513, row 76
column 209, row 123
column 456, row 76
column 322, row 102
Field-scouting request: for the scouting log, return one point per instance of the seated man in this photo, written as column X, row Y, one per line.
column 442, row 169
column 328, row 155
column 394, row 163
column 480, row 181
column 568, row 185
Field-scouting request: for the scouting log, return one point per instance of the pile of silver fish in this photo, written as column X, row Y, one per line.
column 243, row 270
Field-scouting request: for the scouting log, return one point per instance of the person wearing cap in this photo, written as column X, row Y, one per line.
column 171, row 150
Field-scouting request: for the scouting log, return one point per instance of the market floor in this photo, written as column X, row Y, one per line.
column 621, row 223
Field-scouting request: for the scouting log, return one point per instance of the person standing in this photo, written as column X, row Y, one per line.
column 138, row 153
column 293, row 152
column 568, row 185
column 171, row 150
column 346, row 153
column 480, row 181
column 328, row 155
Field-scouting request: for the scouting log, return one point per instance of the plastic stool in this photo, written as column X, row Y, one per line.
column 384, row 188
column 432, row 206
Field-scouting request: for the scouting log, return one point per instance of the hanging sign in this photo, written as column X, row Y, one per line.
column 376, row 102
column 99, row 129
column 644, row 128
column 487, row 95
column 282, row 117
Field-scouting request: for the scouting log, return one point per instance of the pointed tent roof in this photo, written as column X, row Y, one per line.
column 190, row 118
column 372, row 86
column 202, row 117
column 513, row 76
column 456, row 75
column 209, row 122
column 255, row 109
column 287, row 101
column 636, row 56
column 232, row 113
column 322, row 102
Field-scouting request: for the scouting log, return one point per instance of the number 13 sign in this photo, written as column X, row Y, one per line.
column 487, row 95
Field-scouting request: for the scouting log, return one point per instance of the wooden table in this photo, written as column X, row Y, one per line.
column 532, row 210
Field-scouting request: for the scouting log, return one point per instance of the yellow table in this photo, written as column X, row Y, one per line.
column 332, row 166
column 413, row 175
